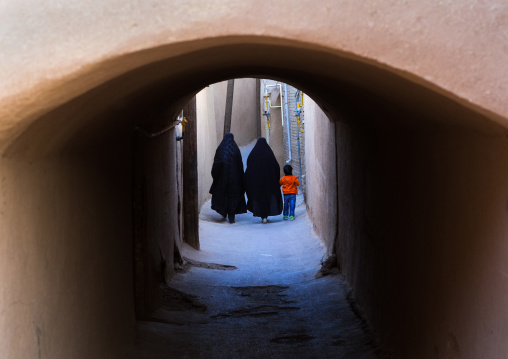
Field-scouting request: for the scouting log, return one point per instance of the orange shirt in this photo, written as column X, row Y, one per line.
column 289, row 184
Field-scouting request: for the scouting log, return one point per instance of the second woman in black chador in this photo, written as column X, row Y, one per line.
column 228, row 193
column 262, row 182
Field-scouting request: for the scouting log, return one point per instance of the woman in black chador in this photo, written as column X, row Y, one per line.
column 262, row 182
column 227, row 188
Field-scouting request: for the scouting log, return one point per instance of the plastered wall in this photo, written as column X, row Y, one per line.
column 220, row 92
column 320, row 160
column 244, row 116
column 422, row 228
column 243, row 122
column 155, row 212
column 206, row 140
column 66, row 256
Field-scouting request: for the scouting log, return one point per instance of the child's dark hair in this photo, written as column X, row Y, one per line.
column 288, row 170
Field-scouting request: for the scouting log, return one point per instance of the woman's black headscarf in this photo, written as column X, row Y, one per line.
column 262, row 181
column 227, row 172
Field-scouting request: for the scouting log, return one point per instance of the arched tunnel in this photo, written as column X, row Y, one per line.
column 420, row 186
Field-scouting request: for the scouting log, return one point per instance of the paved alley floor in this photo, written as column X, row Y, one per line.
column 252, row 292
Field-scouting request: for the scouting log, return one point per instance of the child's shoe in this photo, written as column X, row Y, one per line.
column 285, row 217
column 292, row 218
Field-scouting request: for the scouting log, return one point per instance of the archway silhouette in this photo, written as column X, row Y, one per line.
column 339, row 82
column 382, row 113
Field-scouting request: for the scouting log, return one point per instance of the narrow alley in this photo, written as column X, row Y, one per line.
column 252, row 291
column 392, row 114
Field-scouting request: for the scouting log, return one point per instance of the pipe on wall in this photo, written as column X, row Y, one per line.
column 298, row 112
column 290, row 153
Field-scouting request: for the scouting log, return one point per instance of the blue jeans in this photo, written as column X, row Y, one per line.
column 289, row 204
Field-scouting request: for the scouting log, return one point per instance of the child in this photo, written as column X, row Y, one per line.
column 289, row 184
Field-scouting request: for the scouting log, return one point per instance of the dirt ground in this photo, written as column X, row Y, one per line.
column 252, row 291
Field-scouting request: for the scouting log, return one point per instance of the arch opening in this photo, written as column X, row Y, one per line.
column 335, row 80
column 402, row 155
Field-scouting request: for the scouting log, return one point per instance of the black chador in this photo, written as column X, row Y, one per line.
column 262, row 181
column 228, row 192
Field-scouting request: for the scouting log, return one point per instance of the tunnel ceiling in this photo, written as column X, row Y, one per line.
column 347, row 88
